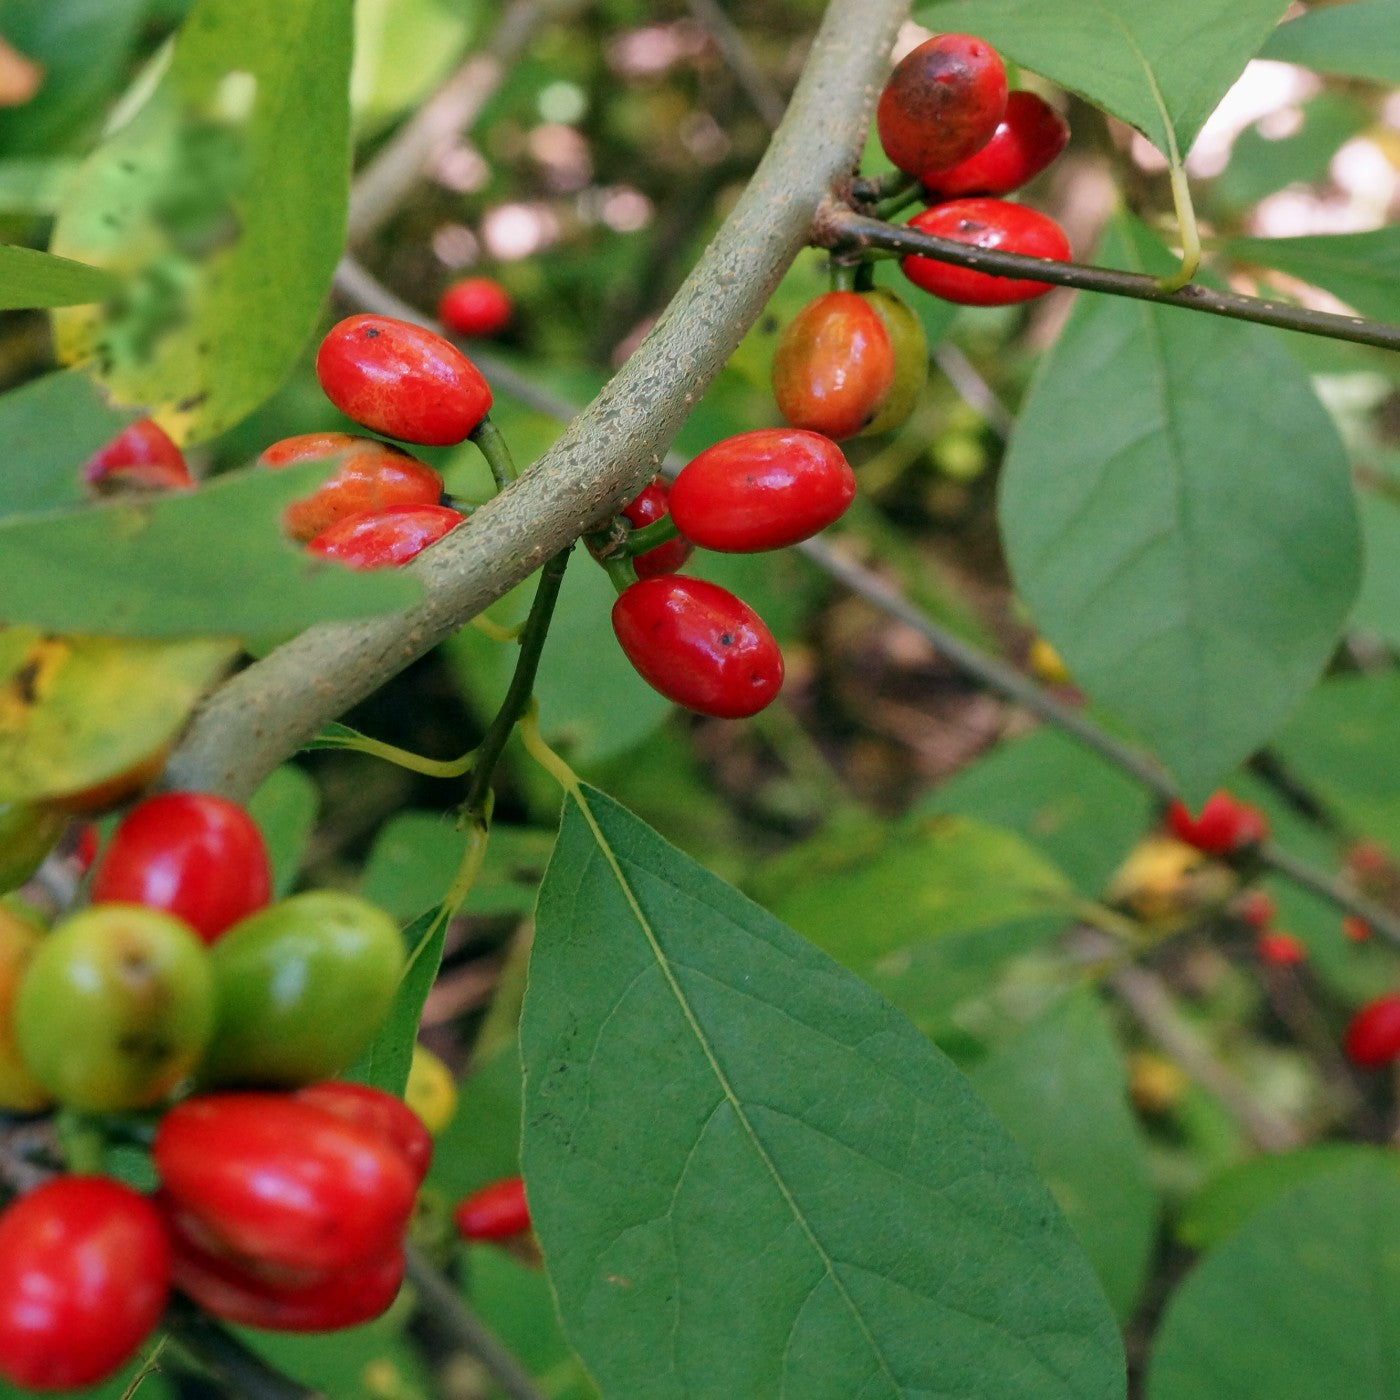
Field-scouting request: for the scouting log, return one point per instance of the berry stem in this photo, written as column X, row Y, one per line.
column 878, row 187
column 897, row 203
column 522, row 684
column 843, row 276
column 340, row 736
column 621, row 570
column 659, row 532
column 487, row 436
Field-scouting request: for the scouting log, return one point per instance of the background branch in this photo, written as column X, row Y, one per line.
column 387, row 180
column 842, row 229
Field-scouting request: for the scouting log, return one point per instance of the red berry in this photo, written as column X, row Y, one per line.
column 651, row 505
column 84, row 1276
column 985, row 223
column 699, row 645
column 401, row 380
column 1224, row 826
column 1373, row 1037
column 1029, row 136
column 384, row 538
column 1280, row 949
column 384, row 1114
column 282, row 1186
column 942, row 102
column 373, row 476
column 762, row 490
column 834, row 365
column 142, row 456
column 496, row 1212
column 475, row 306
column 1357, row 930
column 192, row 854
column 1368, row 861
column 1256, row 908
column 344, row 1298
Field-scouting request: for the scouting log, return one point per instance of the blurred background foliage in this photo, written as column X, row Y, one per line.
column 925, row 832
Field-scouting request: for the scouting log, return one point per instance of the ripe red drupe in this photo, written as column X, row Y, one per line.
column 1373, row 1037
column 495, row 1212
column 1029, row 136
column 192, row 854
column 385, row 538
column 698, row 645
column 985, row 223
column 280, row 1184
column 1225, row 825
column 762, row 490
column 401, row 380
column 650, row 505
column 84, row 1276
column 942, row 102
column 372, row 476
column 142, row 456
column 475, row 306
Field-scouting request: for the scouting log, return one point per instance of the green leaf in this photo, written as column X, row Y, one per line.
column 30, row 278
column 1361, row 269
column 50, row 427
column 416, row 855
column 1302, row 1304
column 221, row 203
column 76, row 712
column 385, row 1064
column 1378, row 604
column 212, row 560
column 34, row 187
column 284, row 808
column 403, row 50
column 514, row 1301
column 1228, row 1201
column 1060, row 1088
column 1178, row 516
column 1356, row 39
column 85, row 47
column 1131, row 57
column 1261, row 165
column 750, row 1176
column 1076, row 808
column 1341, row 745
column 482, row 1142
column 927, row 878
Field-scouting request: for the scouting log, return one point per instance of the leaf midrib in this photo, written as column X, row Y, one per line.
column 731, row 1097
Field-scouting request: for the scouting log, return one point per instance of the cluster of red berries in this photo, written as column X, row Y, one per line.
column 382, row 506
column 945, row 118
column 692, row 640
column 185, row 989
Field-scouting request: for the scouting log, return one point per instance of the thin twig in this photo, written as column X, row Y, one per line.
column 841, row 228
column 758, row 88
column 1150, row 1001
column 963, row 375
column 451, row 1312
column 388, row 180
